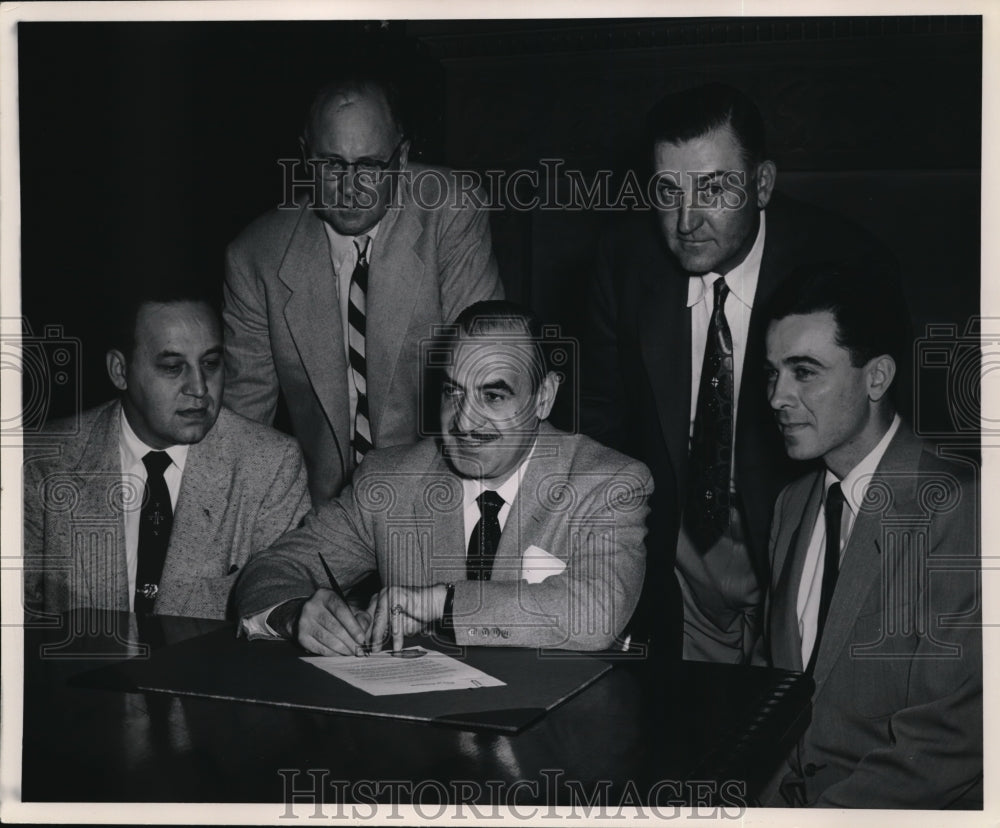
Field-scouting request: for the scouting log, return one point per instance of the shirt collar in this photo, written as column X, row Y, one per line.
column 343, row 246
column 133, row 449
column 742, row 279
column 471, row 489
column 856, row 481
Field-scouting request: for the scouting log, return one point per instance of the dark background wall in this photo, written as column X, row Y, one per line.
column 141, row 140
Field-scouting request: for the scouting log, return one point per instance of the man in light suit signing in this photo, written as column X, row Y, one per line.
column 328, row 300
column 504, row 531
column 157, row 500
column 874, row 564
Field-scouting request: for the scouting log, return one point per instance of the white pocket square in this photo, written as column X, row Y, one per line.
column 537, row 565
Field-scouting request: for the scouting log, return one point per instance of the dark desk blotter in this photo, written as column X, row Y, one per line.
column 217, row 665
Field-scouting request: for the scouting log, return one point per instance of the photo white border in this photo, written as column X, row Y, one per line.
column 12, row 810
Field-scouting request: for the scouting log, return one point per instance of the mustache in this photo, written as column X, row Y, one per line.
column 476, row 436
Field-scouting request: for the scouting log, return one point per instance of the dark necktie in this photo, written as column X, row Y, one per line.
column 706, row 512
column 356, row 349
column 833, row 510
column 485, row 538
column 155, row 521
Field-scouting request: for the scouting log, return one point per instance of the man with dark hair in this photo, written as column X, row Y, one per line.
column 672, row 371
column 160, row 497
column 328, row 302
column 504, row 531
column 874, row 588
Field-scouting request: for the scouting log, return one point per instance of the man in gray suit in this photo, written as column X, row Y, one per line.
column 874, row 560
column 159, row 498
column 329, row 300
column 504, row 531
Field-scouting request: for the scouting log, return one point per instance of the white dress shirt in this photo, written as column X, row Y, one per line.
column 344, row 256
column 742, row 281
column 131, row 451
column 854, row 486
column 471, row 489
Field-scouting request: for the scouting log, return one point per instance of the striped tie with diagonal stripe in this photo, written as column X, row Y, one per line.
column 356, row 346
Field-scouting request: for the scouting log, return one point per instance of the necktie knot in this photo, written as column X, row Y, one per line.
column 361, row 243
column 490, row 503
column 156, row 462
column 835, row 500
column 721, row 290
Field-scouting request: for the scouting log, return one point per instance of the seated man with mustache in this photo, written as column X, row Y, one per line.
column 503, row 531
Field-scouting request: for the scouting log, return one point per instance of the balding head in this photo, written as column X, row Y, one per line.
column 353, row 127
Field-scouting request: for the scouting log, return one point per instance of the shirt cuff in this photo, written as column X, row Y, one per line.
column 255, row 626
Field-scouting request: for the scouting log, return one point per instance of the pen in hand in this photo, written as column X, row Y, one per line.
column 364, row 649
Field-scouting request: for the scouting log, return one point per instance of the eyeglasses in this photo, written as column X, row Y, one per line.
column 333, row 167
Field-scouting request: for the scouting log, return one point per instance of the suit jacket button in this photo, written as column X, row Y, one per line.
column 505, row 633
column 485, row 632
column 472, row 631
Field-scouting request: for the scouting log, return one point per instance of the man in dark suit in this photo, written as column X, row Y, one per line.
column 156, row 500
column 672, row 374
column 329, row 301
column 505, row 531
column 874, row 586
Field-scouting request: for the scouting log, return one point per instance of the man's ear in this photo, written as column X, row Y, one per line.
column 304, row 149
column 765, row 176
column 546, row 395
column 115, row 361
column 881, row 371
column 404, row 154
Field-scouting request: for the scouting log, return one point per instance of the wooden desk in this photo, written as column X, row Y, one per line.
column 646, row 732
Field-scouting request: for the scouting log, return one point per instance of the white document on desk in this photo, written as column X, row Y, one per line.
column 383, row 674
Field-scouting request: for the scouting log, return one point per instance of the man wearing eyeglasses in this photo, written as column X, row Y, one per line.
column 328, row 301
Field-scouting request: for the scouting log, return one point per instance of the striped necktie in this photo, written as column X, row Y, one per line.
column 362, row 440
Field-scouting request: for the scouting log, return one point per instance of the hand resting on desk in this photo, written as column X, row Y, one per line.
column 404, row 610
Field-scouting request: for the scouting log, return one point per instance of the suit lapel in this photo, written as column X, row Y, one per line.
column 665, row 342
column 312, row 313
column 439, row 522
column 99, row 474
column 528, row 511
column 861, row 565
column 393, row 288
column 201, row 505
column 789, row 563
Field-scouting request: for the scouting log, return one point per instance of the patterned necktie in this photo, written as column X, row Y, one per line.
column 155, row 522
column 356, row 348
column 485, row 538
column 833, row 510
column 706, row 512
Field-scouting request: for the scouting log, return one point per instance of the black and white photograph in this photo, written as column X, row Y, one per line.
column 529, row 415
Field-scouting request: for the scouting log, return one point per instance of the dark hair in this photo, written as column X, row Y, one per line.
column 360, row 82
column 867, row 305
column 502, row 319
column 121, row 333
column 691, row 113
